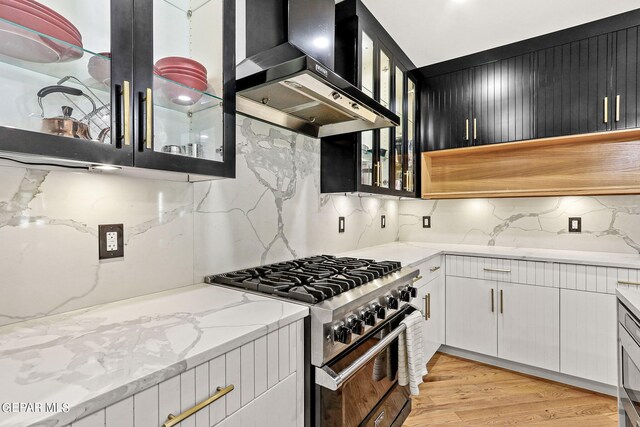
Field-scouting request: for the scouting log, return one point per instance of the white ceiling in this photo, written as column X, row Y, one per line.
column 431, row 31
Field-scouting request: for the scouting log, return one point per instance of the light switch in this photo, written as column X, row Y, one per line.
column 575, row 225
column 383, row 221
column 426, row 222
column 341, row 224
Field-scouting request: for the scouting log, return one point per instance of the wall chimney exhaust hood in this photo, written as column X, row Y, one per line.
column 287, row 78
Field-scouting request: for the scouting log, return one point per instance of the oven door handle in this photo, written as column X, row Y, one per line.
column 328, row 378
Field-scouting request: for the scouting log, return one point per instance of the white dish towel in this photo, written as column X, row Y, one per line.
column 411, row 366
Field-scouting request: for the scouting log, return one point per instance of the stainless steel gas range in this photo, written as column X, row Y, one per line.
column 356, row 306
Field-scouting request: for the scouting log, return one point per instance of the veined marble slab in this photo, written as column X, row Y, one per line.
column 413, row 253
column 95, row 357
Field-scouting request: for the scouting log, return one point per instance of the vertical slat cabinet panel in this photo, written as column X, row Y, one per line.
column 96, row 419
column 462, row 107
column 558, row 85
column 247, row 373
column 626, row 71
column 529, row 325
column 300, row 372
column 145, row 408
column 272, row 359
column 582, row 123
column 283, row 353
column 261, row 365
column 188, row 395
column 293, row 347
column 203, row 391
column 169, row 398
column 120, row 414
column 232, row 362
column 588, row 335
column 470, row 320
column 218, row 378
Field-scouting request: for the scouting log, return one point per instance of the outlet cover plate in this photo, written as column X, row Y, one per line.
column 383, row 221
column 340, row 224
column 426, row 222
column 575, row 224
column 110, row 241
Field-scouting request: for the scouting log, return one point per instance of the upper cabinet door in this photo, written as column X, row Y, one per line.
column 184, row 100
column 572, row 87
column 367, row 70
column 65, row 74
column 411, row 136
column 399, row 145
column 626, row 79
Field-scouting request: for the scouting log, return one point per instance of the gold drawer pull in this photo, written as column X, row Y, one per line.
column 498, row 270
column 417, row 278
column 432, row 269
column 622, row 282
column 172, row 420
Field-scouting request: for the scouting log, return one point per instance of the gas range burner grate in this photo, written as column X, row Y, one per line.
column 311, row 280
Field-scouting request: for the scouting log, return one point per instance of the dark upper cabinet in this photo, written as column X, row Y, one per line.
column 123, row 112
column 380, row 161
column 626, row 79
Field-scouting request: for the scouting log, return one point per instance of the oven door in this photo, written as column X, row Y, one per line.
column 629, row 366
column 360, row 388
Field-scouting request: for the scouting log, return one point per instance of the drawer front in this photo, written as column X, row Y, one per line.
column 603, row 280
column 537, row 273
column 429, row 270
column 249, row 368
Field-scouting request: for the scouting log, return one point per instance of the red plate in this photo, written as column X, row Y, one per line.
column 182, row 62
column 193, row 74
column 38, row 24
column 191, row 71
column 23, row 44
column 100, row 68
column 197, row 84
column 45, row 13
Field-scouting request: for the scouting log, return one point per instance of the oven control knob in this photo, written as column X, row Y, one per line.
column 342, row 334
column 369, row 317
column 405, row 295
column 355, row 325
column 379, row 310
column 413, row 291
column 392, row 303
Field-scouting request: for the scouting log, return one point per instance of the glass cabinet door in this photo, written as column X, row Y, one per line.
column 385, row 79
column 367, row 169
column 65, row 74
column 367, row 65
column 181, row 120
column 411, row 128
column 399, row 148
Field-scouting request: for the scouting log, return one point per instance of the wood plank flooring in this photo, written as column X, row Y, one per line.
column 467, row 393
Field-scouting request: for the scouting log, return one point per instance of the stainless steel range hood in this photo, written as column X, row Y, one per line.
column 284, row 85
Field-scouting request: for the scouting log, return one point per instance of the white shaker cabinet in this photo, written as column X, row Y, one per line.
column 431, row 301
column 588, row 336
column 529, row 324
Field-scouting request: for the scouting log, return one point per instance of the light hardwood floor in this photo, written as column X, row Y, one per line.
column 466, row 393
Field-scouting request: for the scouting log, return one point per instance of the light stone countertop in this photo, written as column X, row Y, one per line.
column 94, row 357
column 631, row 299
column 414, row 253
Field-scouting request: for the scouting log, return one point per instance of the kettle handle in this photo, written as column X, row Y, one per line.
column 62, row 89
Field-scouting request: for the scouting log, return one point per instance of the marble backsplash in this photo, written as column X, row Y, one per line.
column 175, row 233
column 609, row 223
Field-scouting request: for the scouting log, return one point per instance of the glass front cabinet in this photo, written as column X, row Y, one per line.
column 378, row 161
column 137, row 84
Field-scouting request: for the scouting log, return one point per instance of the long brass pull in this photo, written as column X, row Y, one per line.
column 426, row 307
column 498, row 270
column 466, row 130
column 436, row 268
column 406, row 180
column 606, row 109
column 417, row 278
column 172, row 420
column 475, row 129
column 149, row 118
column 379, row 174
column 617, row 108
column 126, row 94
column 429, row 306
column 622, row 282
column 501, row 302
column 375, row 174
column 493, row 308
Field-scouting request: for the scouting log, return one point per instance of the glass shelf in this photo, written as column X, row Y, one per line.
column 178, row 97
column 78, row 68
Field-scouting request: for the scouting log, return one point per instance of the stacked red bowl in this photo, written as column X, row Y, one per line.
column 186, row 72
column 17, row 41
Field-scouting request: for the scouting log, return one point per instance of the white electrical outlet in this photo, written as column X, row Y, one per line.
column 112, row 241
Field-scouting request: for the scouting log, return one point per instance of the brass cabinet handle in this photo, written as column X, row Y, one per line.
column 172, row 420
column 617, row 108
column 376, row 166
column 475, row 129
column 436, row 268
column 606, row 109
column 466, row 130
column 501, row 302
column 498, row 270
column 426, row 307
column 126, row 94
column 406, row 180
column 149, row 101
column 379, row 174
column 429, row 306
column 417, row 278
column 493, row 308
column 622, row 282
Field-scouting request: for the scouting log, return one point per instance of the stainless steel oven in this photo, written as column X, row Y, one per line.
column 360, row 387
column 628, row 367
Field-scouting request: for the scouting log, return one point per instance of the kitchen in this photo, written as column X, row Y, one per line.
column 151, row 147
